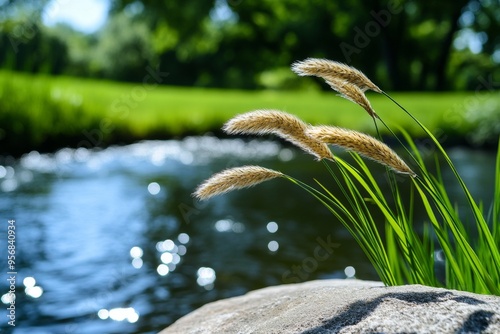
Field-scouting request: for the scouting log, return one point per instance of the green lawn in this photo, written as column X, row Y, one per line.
column 49, row 112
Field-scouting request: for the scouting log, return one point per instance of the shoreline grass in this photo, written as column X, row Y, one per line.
column 46, row 113
column 400, row 254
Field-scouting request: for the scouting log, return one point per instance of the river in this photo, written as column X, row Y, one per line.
column 111, row 241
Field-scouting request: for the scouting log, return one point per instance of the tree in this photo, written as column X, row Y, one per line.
column 27, row 45
column 123, row 49
column 405, row 44
column 402, row 44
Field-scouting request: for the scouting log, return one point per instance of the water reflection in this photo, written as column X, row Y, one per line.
column 227, row 225
column 154, row 188
column 112, row 241
column 31, row 289
column 3, row 172
column 183, row 238
column 136, row 253
column 206, row 277
column 273, row 245
column 119, row 314
column 272, row 227
column 163, row 269
column 350, row 271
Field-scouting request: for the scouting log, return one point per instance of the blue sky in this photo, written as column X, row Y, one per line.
column 84, row 15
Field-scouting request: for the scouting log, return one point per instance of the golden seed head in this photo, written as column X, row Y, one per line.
column 352, row 93
column 332, row 70
column 362, row 144
column 234, row 178
column 284, row 125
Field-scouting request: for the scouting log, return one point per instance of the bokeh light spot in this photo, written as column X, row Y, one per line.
column 183, row 238
column 34, row 292
column 350, row 271
column 154, row 188
column 136, row 252
column 206, row 277
column 103, row 314
column 137, row 263
column 29, row 282
column 272, row 227
column 273, row 245
column 163, row 269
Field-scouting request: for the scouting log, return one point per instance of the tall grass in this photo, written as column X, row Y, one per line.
column 399, row 253
column 34, row 111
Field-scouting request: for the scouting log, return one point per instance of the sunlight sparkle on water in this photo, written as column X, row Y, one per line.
column 272, row 227
column 183, row 238
column 350, row 271
column 31, row 289
column 206, row 277
column 176, row 258
column 286, row 154
column 182, row 250
column 34, row 292
column 29, row 282
column 168, row 245
column 273, row 245
column 154, row 188
column 137, row 263
column 9, row 185
column 223, row 225
column 8, row 298
column 119, row 314
column 136, row 252
column 103, row 314
column 439, row 255
column 228, row 225
column 162, row 269
column 166, row 257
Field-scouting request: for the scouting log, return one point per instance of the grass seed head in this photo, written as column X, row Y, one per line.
column 363, row 144
column 284, row 125
column 352, row 93
column 234, row 178
column 331, row 70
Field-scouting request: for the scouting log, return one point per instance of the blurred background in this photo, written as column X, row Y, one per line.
column 110, row 113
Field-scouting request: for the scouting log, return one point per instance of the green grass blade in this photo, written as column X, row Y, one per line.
column 496, row 200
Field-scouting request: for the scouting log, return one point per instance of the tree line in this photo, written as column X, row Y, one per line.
column 249, row 44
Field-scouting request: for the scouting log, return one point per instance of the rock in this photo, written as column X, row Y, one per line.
column 346, row 306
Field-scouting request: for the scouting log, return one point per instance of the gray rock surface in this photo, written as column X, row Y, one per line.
column 346, row 306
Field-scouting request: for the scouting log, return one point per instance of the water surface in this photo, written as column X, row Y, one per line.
column 111, row 241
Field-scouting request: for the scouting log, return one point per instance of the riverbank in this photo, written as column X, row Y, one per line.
column 47, row 113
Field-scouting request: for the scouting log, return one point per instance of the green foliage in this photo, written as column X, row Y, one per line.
column 123, row 50
column 404, row 45
column 26, row 45
column 34, row 111
column 472, row 259
column 46, row 113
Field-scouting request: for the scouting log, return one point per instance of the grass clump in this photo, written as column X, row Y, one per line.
column 46, row 113
column 399, row 253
